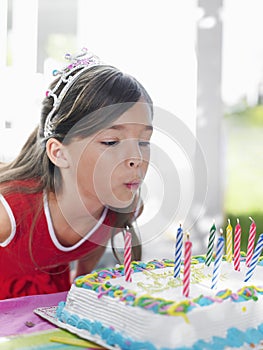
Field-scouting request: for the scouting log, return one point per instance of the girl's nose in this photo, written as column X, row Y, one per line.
column 134, row 156
column 134, row 163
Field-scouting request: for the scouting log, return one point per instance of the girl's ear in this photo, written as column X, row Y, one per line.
column 55, row 152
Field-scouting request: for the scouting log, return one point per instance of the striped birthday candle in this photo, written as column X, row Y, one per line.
column 255, row 258
column 237, row 242
column 178, row 252
column 251, row 241
column 127, row 256
column 210, row 247
column 187, row 267
column 218, row 260
column 229, row 247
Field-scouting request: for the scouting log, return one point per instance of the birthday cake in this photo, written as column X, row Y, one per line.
column 151, row 312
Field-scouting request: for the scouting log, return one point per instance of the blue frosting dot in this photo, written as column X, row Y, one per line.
column 125, row 345
column 205, row 302
column 129, row 297
column 64, row 316
column 96, row 328
column 111, row 293
column 61, row 304
column 253, row 336
column 143, row 265
column 218, row 343
column 235, row 337
column 86, row 286
column 260, row 328
column 201, row 345
column 105, row 333
column 110, row 340
column 60, row 308
column 141, row 346
column 73, row 320
column 120, row 340
column 84, row 324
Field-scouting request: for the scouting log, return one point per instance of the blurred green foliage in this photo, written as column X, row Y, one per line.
column 244, row 169
column 252, row 116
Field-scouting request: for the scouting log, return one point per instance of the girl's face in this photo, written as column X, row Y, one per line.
column 109, row 166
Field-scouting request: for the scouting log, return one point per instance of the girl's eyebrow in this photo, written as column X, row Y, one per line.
column 122, row 126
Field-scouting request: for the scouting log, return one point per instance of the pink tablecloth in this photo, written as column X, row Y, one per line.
column 17, row 315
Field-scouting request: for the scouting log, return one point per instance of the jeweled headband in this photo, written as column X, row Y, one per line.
column 80, row 63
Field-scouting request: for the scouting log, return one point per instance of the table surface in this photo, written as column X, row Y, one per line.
column 17, row 314
column 21, row 328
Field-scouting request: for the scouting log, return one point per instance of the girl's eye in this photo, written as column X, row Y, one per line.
column 144, row 143
column 115, row 142
column 110, row 143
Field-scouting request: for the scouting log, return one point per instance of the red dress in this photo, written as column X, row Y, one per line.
column 32, row 261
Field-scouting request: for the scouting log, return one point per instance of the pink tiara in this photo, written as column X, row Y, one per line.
column 80, row 63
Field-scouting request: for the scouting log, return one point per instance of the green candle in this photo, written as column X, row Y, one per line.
column 210, row 247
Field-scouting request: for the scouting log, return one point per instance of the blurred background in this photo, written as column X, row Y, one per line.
column 200, row 60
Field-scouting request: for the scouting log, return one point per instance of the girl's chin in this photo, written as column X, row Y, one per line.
column 121, row 206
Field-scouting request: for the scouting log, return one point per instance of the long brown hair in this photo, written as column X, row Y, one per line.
column 80, row 114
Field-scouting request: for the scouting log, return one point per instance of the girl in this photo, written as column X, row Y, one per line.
column 75, row 183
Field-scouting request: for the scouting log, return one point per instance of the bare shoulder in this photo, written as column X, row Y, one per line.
column 5, row 223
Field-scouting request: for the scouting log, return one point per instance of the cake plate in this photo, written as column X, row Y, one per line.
column 49, row 313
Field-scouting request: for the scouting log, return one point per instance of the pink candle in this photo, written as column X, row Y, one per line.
column 251, row 242
column 237, row 241
column 187, row 266
column 127, row 256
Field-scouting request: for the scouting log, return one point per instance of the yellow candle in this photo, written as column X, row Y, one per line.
column 229, row 242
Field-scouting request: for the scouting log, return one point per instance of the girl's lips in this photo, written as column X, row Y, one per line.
column 132, row 185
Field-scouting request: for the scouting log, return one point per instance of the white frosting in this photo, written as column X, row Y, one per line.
column 171, row 331
column 229, row 279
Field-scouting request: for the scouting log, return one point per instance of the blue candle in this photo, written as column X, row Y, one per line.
column 255, row 257
column 178, row 251
column 218, row 260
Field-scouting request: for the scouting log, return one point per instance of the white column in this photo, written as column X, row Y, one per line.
column 24, row 39
column 3, row 33
column 209, row 120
